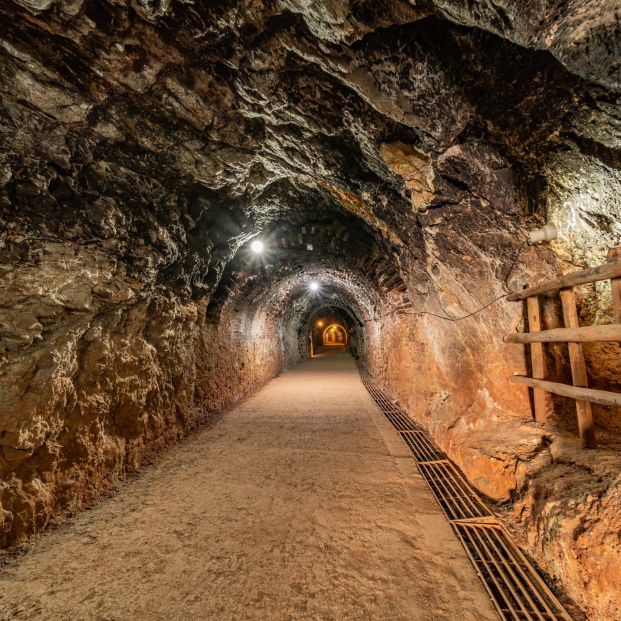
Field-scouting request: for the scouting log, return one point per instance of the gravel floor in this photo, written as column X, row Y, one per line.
column 302, row 503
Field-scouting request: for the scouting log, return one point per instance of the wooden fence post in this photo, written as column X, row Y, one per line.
column 537, row 358
column 578, row 371
column 614, row 254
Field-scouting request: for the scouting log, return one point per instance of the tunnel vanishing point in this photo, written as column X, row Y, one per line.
column 265, row 263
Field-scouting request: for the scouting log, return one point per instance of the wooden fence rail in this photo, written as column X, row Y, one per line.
column 574, row 335
column 584, row 334
column 583, row 277
column 603, row 397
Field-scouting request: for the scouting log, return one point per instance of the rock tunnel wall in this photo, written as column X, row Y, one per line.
column 451, row 375
column 560, row 503
column 101, row 376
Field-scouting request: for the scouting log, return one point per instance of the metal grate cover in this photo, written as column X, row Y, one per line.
column 457, row 499
column 421, row 446
column 517, row 590
column 400, row 421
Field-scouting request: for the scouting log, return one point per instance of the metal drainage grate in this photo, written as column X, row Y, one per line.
column 421, row 446
column 380, row 398
column 517, row 590
column 457, row 499
column 400, row 421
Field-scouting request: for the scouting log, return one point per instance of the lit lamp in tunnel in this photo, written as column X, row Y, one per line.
column 257, row 246
column 320, row 324
column 314, row 286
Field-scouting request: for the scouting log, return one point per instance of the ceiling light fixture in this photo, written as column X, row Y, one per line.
column 314, row 286
column 547, row 232
column 257, row 246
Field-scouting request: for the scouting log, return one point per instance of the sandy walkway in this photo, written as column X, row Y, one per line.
column 300, row 504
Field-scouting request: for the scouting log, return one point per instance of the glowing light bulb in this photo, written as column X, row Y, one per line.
column 256, row 246
column 314, row 286
column 320, row 324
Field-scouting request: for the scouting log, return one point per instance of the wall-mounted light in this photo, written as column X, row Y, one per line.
column 314, row 286
column 547, row 232
column 320, row 324
column 256, row 246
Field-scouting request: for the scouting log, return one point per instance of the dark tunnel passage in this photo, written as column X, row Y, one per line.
column 197, row 198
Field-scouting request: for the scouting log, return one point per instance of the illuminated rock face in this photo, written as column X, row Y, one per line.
column 394, row 153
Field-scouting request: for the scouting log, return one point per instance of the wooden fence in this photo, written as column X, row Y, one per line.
column 574, row 335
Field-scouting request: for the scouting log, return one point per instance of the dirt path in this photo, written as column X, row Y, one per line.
column 300, row 504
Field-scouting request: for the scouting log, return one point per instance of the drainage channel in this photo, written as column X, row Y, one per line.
column 516, row 589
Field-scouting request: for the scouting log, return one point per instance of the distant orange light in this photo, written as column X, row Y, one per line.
column 320, row 324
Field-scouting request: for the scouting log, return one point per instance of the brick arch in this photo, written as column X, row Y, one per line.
column 334, row 327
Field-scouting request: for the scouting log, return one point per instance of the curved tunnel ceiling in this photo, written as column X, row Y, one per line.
column 191, row 129
column 346, row 259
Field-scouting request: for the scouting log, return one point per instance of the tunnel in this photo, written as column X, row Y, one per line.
column 310, row 310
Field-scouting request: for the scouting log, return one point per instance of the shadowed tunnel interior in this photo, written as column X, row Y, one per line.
column 393, row 153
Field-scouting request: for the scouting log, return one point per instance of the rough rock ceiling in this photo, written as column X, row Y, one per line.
column 170, row 132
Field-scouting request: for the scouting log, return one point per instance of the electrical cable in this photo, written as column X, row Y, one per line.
column 505, row 283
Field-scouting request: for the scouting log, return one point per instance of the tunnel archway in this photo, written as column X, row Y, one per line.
column 334, row 335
